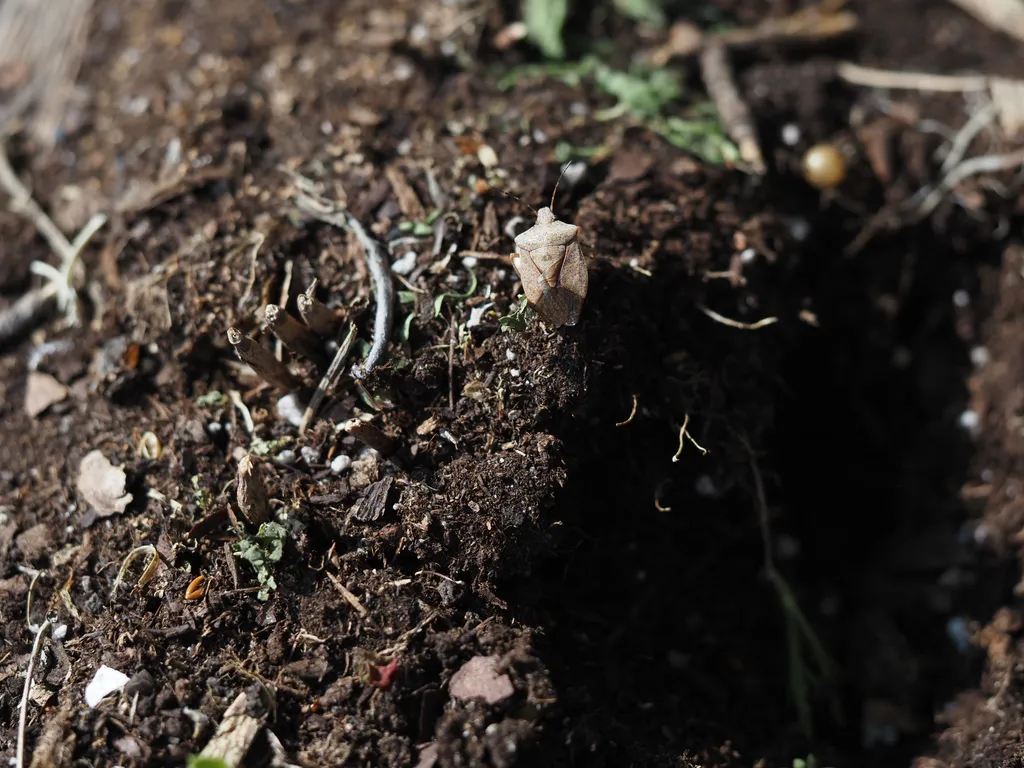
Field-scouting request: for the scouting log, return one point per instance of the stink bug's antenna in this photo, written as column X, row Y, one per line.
column 557, row 182
column 516, row 198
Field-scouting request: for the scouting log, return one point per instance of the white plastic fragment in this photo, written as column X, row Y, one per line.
column 102, row 484
column 105, row 682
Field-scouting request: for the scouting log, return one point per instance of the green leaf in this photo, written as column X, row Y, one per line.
column 261, row 552
column 544, row 22
column 648, row 11
column 439, row 301
column 407, row 326
column 515, row 320
column 212, row 399
column 199, row 761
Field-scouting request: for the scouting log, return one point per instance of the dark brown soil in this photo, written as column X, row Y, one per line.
column 530, row 517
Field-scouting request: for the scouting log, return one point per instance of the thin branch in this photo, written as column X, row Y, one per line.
column 313, row 204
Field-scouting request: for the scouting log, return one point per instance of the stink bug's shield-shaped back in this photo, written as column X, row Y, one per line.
column 551, row 265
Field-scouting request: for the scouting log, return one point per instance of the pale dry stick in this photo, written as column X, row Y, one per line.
column 721, row 87
column 736, row 323
column 973, row 167
column 257, row 243
column 911, row 81
column 345, row 593
column 262, row 361
column 1005, row 16
column 48, row 39
column 316, row 315
column 293, row 334
column 330, row 378
column 313, row 204
column 286, row 287
column 23, row 707
column 962, row 141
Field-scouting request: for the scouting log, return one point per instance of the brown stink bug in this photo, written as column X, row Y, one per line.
column 551, row 265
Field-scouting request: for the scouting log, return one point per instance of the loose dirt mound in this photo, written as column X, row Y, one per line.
column 672, row 535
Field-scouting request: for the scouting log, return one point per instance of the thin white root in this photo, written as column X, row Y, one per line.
column 913, row 81
column 736, row 323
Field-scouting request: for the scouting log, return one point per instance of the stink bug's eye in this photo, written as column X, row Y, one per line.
column 824, row 166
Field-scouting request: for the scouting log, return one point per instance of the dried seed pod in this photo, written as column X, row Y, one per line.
column 551, row 265
column 251, row 491
column 298, row 338
column 317, row 316
column 261, row 361
column 824, row 166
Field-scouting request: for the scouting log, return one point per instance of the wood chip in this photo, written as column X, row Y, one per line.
column 373, row 504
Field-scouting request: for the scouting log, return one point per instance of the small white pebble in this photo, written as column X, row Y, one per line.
column 310, row 455
column 105, row 682
column 961, row 299
column 487, row 156
column 539, row 137
column 60, row 632
column 509, row 354
column 340, row 463
column 514, row 373
column 790, row 134
column 574, row 172
column 786, row 547
column 748, row 256
column 469, row 262
column 405, row 263
column 980, row 356
column 799, row 229
column 405, row 146
column 214, row 428
column 287, row 456
column 969, row 419
column 959, row 633
column 705, row 487
column 291, row 409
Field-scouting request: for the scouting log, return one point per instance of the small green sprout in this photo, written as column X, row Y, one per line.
column 212, row 399
column 203, row 498
column 439, row 301
column 516, row 320
column 544, row 21
column 200, row 761
column 262, row 551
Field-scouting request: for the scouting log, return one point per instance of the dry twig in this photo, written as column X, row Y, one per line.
column 739, row 124
column 312, row 203
column 330, row 378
